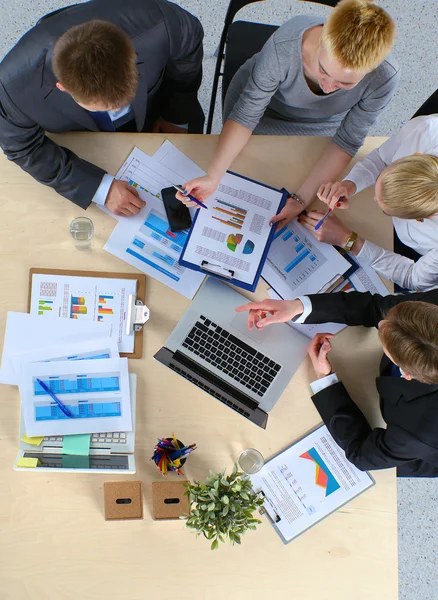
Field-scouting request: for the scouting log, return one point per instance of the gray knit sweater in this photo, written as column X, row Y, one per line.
column 274, row 79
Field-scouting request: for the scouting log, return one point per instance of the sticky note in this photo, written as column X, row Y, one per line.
column 28, row 463
column 34, row 441
column 79, row 445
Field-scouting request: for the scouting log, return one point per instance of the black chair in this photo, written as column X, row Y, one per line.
column 430, row 107
column 239, row 41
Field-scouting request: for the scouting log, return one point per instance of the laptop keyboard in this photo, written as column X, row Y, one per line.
column 108, row 437
column 229, row 354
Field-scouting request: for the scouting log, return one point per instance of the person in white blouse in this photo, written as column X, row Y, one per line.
column 404, row 171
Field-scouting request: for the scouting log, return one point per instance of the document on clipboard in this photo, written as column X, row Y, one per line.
column 231, row 238
column 307, row 482
column 299, row 264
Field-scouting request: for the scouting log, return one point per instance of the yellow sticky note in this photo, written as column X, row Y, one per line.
column 34, row 441
column 28, row 463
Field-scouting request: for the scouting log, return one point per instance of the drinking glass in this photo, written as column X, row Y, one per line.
column 251, row 461
column 81, row 230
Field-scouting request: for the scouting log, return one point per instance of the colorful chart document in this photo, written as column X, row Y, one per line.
column 231, row 237
column 299, row 264
column 96, row 392
column 307, row 482
column 145, row 240
column 85, row 299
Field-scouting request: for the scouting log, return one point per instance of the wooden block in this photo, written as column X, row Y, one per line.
column 123, row 500
column 168, row 500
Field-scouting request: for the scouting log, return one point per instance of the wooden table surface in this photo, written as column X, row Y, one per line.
column 54, row 541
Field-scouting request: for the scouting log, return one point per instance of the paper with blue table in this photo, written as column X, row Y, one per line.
column 145, row 240
column 95, row 391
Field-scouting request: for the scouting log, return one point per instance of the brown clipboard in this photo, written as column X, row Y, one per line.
column 141, row 295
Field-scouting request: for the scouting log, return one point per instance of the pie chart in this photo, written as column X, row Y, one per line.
column 248, row 247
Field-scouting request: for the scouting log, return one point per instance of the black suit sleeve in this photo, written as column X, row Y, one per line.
column 183, row 73
column 366, row 448
column 357, row 308
column 25, row 143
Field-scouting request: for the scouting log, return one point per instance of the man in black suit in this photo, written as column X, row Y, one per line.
column 408, row 382
column 105, row 65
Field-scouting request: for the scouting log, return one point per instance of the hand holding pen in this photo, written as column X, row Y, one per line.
column 201, row 188
column 335, row 195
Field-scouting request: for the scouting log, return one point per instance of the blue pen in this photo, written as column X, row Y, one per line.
column 64, row 409
column 318, row 225
column 192, row 198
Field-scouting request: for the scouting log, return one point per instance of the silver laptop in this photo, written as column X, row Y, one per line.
column 212, row 347
column 109, row 451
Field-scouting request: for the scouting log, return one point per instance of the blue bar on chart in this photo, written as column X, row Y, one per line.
column 297, row 260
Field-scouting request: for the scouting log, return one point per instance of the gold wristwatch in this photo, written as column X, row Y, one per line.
column 350, row 242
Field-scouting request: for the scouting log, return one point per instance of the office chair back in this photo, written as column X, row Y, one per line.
column 240, row 41
column 430, row 107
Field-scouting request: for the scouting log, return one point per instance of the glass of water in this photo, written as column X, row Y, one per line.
column 81, row 230
column 251, row 461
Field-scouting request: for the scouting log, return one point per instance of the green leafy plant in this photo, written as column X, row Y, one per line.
column 222, row 507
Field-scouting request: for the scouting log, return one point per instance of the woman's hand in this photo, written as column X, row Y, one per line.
column 318, row 349
column 201, row 187
column 332, row 231
column 268, row 311
column 336, row 195
column 290, row 210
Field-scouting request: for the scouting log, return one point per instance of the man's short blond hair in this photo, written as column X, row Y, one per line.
column 409, row 188
column 359, row 34
column 410, row 335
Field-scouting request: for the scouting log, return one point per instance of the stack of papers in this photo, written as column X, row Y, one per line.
column 79, row 363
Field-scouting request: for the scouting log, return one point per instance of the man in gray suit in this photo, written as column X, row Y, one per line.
column 105, row 65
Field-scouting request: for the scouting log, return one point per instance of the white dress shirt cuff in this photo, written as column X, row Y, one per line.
column 324, row 382
column 102, row 191
column 307, row 305
column 361, row 179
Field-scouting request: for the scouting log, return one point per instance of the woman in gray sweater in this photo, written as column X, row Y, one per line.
column 310, row 78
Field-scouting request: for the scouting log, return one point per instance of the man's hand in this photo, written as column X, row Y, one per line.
column 332, row 231
column 162, row 126
column 318, row 349
column 279, row 311
column 201, row 188
column 336, row 195
column 291, row 209
column 123, row 199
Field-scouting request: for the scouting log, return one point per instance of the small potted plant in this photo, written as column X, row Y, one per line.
column 222, row 507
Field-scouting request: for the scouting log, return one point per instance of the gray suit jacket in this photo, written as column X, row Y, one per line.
column 168, row 43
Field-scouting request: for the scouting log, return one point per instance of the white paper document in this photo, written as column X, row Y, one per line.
column 298, row 264
column 307, row 482
column 96, row 392
column 30, row 333
column 85, row 350
column 233, row 233
column 365, row 279
column 145, row 240
column 100, row 299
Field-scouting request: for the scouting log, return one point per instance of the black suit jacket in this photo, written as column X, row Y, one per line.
column 168, row 43
column 409, row 408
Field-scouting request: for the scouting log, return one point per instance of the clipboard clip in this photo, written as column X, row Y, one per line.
column 217, row 269
column 138, row 314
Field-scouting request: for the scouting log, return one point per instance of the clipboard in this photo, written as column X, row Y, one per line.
column 274, row 518
column 222, row 273
column 137, row 302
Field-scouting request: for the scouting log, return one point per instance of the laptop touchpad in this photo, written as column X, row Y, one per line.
column 240, row 322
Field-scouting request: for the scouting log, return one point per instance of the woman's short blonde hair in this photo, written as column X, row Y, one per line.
column 409, row 188
column 410, row 335
column 359, row 34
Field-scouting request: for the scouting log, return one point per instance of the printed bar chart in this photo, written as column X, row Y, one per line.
column 78, row 307
column 232, row 215
column 102, row 308
column 44, row 305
